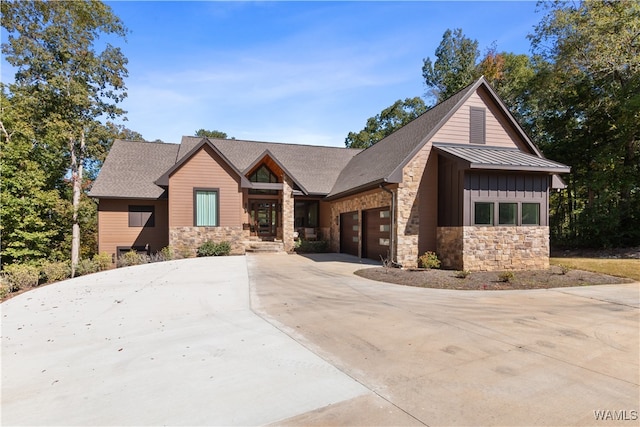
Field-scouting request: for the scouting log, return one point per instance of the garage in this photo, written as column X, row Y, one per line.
column 349, row 228
column 376, row 233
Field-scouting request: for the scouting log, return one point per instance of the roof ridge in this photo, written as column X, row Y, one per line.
column 278, row 143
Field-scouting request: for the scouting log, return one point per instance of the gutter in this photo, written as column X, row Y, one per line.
column 393, row 222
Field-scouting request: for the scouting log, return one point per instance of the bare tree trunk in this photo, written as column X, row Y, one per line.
column 76, row 177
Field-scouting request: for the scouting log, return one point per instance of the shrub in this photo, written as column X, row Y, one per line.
column 564, row 269
column 132, row 258
column 210, row 248
column 55, row 271
column 167, row 253
column 21, row 276
column 506, row 276
column 312, row 246
column 86, row 266
column 102, row 260
column 463, row 274
column 429, row 260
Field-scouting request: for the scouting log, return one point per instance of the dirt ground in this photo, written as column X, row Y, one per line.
column 446, row 279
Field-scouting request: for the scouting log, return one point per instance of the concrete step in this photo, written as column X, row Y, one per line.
column 264, row 247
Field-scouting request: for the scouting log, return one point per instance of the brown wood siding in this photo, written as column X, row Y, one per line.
column 325, row 215
column 428, row 205
column 506, row 187
column 376, row 229
column 450, row 190
column 205, row 169
column 499, row 132
column 114, row 230
column 349, row 230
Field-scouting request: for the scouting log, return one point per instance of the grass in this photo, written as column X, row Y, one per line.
column 615, row 267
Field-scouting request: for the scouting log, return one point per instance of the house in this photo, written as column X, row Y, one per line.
column 462, row 179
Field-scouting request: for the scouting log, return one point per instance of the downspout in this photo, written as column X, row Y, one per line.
column 393, row 223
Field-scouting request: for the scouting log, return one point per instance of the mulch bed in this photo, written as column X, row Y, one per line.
column 482, row 280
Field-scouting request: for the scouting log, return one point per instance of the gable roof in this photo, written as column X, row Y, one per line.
column 131, row 168
column 384, row 161
column 499, row 158
column 140, row 170
column 313, row 168
column 164, row 179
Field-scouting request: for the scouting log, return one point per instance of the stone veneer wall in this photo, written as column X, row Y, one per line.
column 360, row 202
column 494, row 248
column 288, row 219
column 407, row 212
column 186, row 240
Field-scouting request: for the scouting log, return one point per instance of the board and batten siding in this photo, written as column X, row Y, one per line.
column 114, row 230
column 205, row 169
column 506, row 187
column 499, row 131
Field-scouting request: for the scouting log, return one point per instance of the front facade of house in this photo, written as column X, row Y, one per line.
column 462, row 180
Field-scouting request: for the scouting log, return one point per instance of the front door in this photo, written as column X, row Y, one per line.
column 264, row 216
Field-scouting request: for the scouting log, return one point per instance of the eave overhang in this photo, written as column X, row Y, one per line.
column 499, row 159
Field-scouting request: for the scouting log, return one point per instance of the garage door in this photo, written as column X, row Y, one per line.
column 376, row 233
column 349, row 227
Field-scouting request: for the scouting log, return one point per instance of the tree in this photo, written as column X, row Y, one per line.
column 454, row 68
column 212, row 134
column 30, row 208
column 69, row 84
column 588, row 99
column 388, row 121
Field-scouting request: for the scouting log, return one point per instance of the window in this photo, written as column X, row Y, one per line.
column 477, row 125
column 531, row 214
column 483, row 214
column 383, row 242
column 306, row 213
column 206, row 206
column 507, row 213
column 263, row 174
column 142, row 216
column 384, row 214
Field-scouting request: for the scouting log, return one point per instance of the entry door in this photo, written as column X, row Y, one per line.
column 264, row 216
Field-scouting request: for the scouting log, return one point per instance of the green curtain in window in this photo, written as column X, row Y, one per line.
column 207, row 208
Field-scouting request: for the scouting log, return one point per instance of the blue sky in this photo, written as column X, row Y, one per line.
column 297, row 72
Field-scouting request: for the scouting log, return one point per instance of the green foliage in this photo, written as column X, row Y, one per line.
column 55, row 271
column 429, row 260
column 63, row 85
column 587, row 95
column 21, row 276
column 86, row 266
column 102, row 261
column 462, row 274
column 455, row 66
column 312, row 246
column 210, row 248
column 388, row 121
column 167, row 253
column 212, row 134
column 506, row 276
column 132, row 258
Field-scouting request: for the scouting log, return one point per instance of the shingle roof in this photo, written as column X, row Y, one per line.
column 383, row 162
column 131, row 169
column 315, row 168
column 500, row 158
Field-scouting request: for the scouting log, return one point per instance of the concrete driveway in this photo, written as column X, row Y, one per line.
column 542, row 357
column 182, row 343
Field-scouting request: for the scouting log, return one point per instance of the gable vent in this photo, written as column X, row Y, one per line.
column 477, row 133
